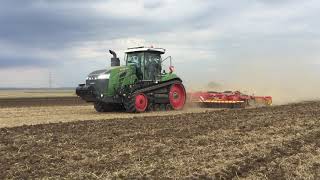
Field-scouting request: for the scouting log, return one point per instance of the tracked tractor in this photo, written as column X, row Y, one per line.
column 138, row 86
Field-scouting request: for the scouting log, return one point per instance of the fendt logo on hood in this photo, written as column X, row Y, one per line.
column 104, row 76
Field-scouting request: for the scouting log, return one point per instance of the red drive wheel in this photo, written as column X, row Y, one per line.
column 141, row 102
column 177, row 96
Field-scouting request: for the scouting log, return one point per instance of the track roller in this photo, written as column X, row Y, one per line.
column 138, row 103
column 177, row 96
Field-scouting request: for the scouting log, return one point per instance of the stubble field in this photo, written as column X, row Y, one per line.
column 280, row 142
column 35, row 93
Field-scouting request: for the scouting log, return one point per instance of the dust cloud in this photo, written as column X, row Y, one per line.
column 285, row 83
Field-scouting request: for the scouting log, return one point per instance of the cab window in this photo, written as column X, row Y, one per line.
column 135, row 58
column 152, row 66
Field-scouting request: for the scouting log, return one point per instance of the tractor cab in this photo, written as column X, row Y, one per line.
column 147, row 62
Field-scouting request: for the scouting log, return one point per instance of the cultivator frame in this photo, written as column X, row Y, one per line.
column 228, row 99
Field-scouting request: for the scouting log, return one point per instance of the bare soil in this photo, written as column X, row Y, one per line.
column 18, row 116
column 280, row 142
column 36, row 93
column 40, row 101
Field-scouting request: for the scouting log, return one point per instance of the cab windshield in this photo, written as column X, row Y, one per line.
column 139, row 57
column 148, row 64
column 135, row 58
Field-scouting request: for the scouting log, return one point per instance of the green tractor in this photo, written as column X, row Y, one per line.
column 138, row 86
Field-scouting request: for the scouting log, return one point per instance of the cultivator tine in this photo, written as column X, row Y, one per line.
column 224, row 104
column 228, row 99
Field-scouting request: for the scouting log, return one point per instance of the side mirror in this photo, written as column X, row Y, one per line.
column 171, row 69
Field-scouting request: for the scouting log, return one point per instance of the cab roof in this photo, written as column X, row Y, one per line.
column 142, row 49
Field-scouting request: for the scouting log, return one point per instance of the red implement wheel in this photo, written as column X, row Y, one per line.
column 177, row 96
column 141, row 102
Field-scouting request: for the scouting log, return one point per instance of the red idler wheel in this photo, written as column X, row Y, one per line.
column 141, row 102
column 177, row 96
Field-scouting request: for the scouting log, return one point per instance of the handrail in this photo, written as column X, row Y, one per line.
column 169, row 57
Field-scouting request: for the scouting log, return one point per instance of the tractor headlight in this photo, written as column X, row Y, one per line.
column 104, row 76
column 91, row 78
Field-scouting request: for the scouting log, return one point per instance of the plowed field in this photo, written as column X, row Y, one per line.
column 40, row 101
column 280, row 142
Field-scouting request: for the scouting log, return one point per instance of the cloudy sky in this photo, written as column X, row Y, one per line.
column 256, row 43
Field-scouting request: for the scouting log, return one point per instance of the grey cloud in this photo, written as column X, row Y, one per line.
column 55, row 28
column 277, row 2
column 60, row 25
column 153, row 4
column 12, row 62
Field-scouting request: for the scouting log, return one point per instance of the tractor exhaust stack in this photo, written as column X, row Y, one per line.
column 115, row 61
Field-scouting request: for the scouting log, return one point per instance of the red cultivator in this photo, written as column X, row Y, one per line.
column 228, row 99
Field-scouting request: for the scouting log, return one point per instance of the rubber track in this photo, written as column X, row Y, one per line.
column 130, row 106
column 98, row 106
column 156, row 86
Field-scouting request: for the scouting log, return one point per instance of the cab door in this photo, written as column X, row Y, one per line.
column 152, row 66
column 137, row 59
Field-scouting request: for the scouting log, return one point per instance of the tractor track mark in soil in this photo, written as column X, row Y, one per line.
column 252, row 163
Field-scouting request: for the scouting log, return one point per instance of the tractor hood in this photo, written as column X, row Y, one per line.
column 98, row 81
column 99, row 74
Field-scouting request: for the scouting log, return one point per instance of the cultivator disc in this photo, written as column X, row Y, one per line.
column 221, row 104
